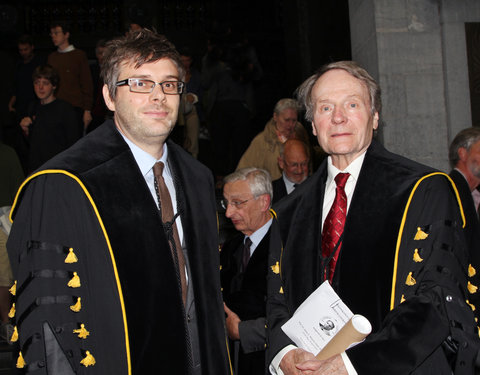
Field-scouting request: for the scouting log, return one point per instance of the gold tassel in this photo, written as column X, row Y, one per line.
column 13, row 289
column 275, row 268
column 471, row 271
column 78, row 306
column 410, row 280
column 89, row 360
column 20, row 361
column 472, row 306
column 11, row 313
column 478, row 329
column 402, row 299
column 471, row 288
column 14, row 337
column 421, row 235
column 71, row 257
column 74, row 281
column 281, row 290
column 416, row 257
column 82, row 331
column 221, row 267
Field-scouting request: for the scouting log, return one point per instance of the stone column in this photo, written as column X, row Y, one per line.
column 416, row 50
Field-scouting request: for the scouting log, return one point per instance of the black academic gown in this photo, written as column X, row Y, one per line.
column 410, row 322
column 472, row 233
column 93, row 199
column 279, row 190
column 245, row 294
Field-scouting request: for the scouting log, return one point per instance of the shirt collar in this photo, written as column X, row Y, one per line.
column 289, row 184
column 146, row 161
column 353, row 168
column 258, row 235
column 70, row 48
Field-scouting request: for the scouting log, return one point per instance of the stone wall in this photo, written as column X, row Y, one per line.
column 416, row 50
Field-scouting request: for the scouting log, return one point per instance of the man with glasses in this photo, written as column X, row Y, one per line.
column 114, row 243
column 247, row 196
column 294, row 162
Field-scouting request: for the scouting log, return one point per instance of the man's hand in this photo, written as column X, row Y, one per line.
column 232, row 321
column 330, row 366
column 87, row 119
column 289, row 362
column 25, row 123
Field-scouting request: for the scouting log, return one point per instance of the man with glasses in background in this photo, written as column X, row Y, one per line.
column 114, row 242
column 247, row 197
column 294, row 162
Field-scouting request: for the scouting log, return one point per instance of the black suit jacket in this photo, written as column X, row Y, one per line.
column 245, row 294
column 393, row 198
column 93, row 198
column 279, row 190
column 472, row 233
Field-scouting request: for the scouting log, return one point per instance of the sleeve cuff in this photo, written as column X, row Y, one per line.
column 275, row 364
column 348, row 364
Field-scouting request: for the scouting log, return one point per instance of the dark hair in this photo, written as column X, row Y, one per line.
column 137, row 48
column 25, row 39
column 304, row 91
column 464, row 139
column 63, row 24
column 47, row 72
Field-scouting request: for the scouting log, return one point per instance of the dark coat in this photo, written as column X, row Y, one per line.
column 410, row 323
column 472, row 233
column 245, row 294
column 279, row 189
column 93, row 198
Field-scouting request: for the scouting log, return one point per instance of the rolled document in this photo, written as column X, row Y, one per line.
column 353, row 332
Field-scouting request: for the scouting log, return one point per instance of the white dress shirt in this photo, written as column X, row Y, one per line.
column 289, row 185
column 258, row 235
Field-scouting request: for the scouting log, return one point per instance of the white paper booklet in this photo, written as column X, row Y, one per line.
column 317, row 319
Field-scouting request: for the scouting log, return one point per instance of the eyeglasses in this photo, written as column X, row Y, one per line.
column 303, row 164
column 146, row 86
column 236, row 204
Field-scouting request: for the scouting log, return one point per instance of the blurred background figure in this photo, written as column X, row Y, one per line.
column 294, row 161
column 100, row 112
column 23, row 90
column 71, row 64
column 51, row 124
column 264, row 150
column 464, row 156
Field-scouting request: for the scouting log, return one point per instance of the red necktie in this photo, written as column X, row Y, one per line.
column 333, row 226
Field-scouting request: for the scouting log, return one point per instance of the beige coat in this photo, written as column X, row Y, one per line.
column 264, row 149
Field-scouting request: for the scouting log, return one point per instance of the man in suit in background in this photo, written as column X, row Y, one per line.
column 294, row 162
column 105, row 292
column 464, row 156
column 247, row 195
column 384, row 231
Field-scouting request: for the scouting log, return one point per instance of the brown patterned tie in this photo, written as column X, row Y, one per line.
column 333, row 226
column 166, row 208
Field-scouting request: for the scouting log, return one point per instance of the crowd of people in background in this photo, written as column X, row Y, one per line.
column 64, row 100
